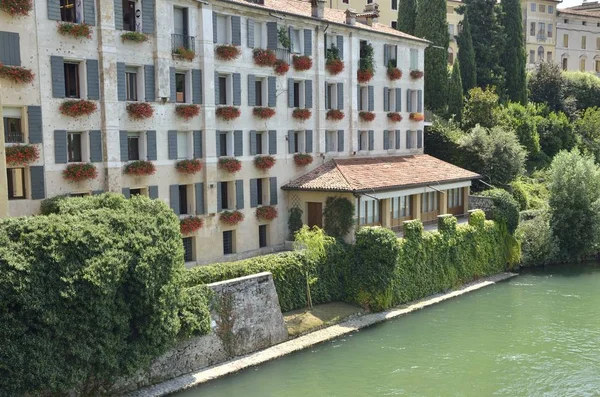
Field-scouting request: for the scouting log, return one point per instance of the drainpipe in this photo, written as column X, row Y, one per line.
column 3, row 177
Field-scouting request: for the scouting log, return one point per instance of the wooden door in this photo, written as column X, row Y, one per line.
column 315, row 214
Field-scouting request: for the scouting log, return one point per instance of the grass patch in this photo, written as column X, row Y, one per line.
column 301, row 321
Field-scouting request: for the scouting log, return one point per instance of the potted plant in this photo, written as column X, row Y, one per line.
column 264, row 162
column 333, row 64
column 231, row 217
column 301, row 62
column 188, row 167
column 266, row 213
column 140, row 168
column 140, row 110
column 21, row 154
column 334, row 114
column 366, row 116
column 366, row 67
column 16, row 74
column 190, row 225
column 16, row 8
column 394, row 117
column 281, row 67
column 302, row 159
column 80, row 172
column 301, row 114
column 77, row 30
column 77, row 107
column 227, row 52
column 416, row 74
column 134, row 37
column 364, row 76
column 187, row 111
column 264, row 57
column 227, row 113
column 185, row 53
column 394, row 74
column 415, row 116
column 263, row 113
column 230, row 164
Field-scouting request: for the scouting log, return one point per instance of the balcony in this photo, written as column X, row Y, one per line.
column 182, row 40
column 13, row 137
column 541, row 37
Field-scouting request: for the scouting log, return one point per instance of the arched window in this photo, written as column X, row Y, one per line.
column 540, row 53
column 565, row 63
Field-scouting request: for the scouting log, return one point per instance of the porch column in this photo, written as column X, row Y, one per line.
column 466, row 191
column 416, row 198
column 443, row 201
column 386, row 216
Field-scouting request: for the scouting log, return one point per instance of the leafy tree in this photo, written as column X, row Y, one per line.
column 431, row 24
column 587, row 129
column 513, row 60
column 294, row 221
column 466, row 56
column 455, row 93
column 407, row 15
column 481, row 108
column 575, row 204
column 338, row 216
column 538, row 244
column 546, row 85
column 522, row 120
column 494, row 153
column 584, row 87
column 556, row 133
column 442, row 140
column 312, row 243
column 506, row 208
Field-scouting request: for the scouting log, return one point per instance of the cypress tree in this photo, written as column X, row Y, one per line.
column 514, row 58
column 407, row 14
column 455, row 93
column 466, row 56
column 431, row 24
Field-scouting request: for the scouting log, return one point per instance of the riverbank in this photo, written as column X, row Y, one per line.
column 303, row 342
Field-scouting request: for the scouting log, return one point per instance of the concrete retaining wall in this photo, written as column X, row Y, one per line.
column 486, row 204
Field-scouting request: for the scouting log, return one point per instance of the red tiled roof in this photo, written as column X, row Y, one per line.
column 593, row 14
column 303, row 8
column 379, row 173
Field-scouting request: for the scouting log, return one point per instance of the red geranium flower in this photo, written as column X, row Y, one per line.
column 77, row 30
column 266, row 213
column 416, row 74
column 21, row 154
column 301, row 114
column 264, row 162
column 76, row 108
column 264, row 57
column 417, row 116
column 303, row 159
column 140, row 110
column 366, row 116
column 301, row 62
column 16, row 74
column 281, row 67
column 80, row 172
column 394, row 117
column 227, row 52
column 334, row 114
column 228, row 113
column 16, row 8
column 334, row 66
column 190, row 224
column 188, row 166
column 187, row 111
column 231, row 217
column 364, row 76
column 394, row 74
column 230, row 164
column 140, row 168
column 263, row 113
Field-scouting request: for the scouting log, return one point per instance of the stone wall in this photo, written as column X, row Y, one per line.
column 245, row 317
column 486, row 204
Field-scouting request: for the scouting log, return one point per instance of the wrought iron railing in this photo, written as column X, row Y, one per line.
column 541, row 37
column 13, row 137
column 183, row 40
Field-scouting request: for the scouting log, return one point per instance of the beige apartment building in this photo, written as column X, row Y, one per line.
column 578, row 46
column 539, row 24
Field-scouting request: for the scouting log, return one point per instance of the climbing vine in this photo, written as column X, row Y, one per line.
column 338, row 216
column 283, row 37
column 294, row 221
column 223, row 306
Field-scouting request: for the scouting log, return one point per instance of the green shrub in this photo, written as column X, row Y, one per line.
column 338, row 216
column 194, row 313
column 51, row 205
column 506, row 209
column 477, row 219
column 294, row 221
column 519, row 194
column 87, row 295
column 538, row 245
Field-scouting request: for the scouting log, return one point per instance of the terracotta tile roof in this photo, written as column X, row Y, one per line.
column 379, row 173
column 593, row 14
column 302, row 8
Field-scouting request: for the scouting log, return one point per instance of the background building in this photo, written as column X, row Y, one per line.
column 578, row 46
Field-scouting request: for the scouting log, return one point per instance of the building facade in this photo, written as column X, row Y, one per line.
column 539, row 25
column 578, row 46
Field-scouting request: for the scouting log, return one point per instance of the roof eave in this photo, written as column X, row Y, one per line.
column 413, row 185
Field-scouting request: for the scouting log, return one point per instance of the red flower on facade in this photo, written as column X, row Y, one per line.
column 264, row 162
column 266, row 213
column 16, row 74
column 77, row 30
column 16, row 8
column 21, row 154
column 301, row 62
column 230, row 164
column 190, row 224
column 394, row 74
column 281, row 67
column 394, row 117
column 417, row 116
column 264, row 57
column 227, row 52
column 140, row 168
column 140, row 110
column 263, row 113
column 301, row 114
column 185, row 53
column 303, row 159
column 228, row 113
column 366, row 116
column 334, row 114
column 188, row 167
column 334, row 66
column 231, row 217
column 364, row 76
column 187, row 111
column 416, row 74
column 80, row 172
column 77, row 107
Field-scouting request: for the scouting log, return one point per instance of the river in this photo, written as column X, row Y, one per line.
column 535, row 335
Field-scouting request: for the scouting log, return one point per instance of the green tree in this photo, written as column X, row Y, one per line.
column 431, row 24
column 584, row 87
column 556, row 133
column 466, row 56
column 547, row 85
column 455, row 93
column 407, row 15
column 522, row 120
column 587, row 129
column 538, row 244
column 442, row 140
column 313, row 244
column 575, row 204
column 514, row 58
column 481, row 107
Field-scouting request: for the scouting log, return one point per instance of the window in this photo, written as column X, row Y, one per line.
column 260, row 35
column 532, row 28
column 136, row 192
column 225, row 89
column 394, row 4
column 400, row 207
column 133, row 146
column 542, row 31
column 429, row 202
column 394, row 24
column 391, row 55
column 597, row 65
column 414, row 59
column 228, row 242
column 550, row 30
column 566, row 40
column 296, row 41
column 188, row 249
column 262, row 236
column 16, row 183
column 260, row 191
column 455, row 197
column 363, row 98
column 391, row 100
column 565, row 63
column 226, row 143
column 259, row 142
column 260, row 94
column 223, row 36
column 13, row 132
column 74, row 147
column 183, row 144
column 72, row 80
column 363, row 140
column 297, row 93
column 531, row 56
column 540, row 53
column 566, row 21
column 131, row 83
column 542, row 8
column 298, row 145
column 451, row 30
column 183, row 199
column 369, row 213
column 598, row 43
column 533, row 7
column 85, row 194
column 583, row 42
column 410, row 139
column 550, row 9
column 180, row 87
column 331, row 141
column 331, row 96
column 227, row 195
column 129, row 15
column 69, row 11
column 180, row 28
column 582, row 64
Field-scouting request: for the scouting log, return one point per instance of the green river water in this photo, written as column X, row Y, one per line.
column 535, row 335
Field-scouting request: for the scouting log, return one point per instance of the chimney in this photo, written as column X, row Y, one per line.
column 370, row 14
column 318, row 8
column 350, row 17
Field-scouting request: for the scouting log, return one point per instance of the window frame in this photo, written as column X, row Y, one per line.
column 140, row 145
column 228, row 241
column 229, row 144
column 263, row 236
column 72, row 149
column 74, row 18
column 127, row 26
column 299, row 142
column 10, row 183
column 73, row 75
column 181, row 96
column 332, row 140
column 228, row 78
column 184, row 142
column 223, row 19
column 363, row 140
column 188, row 249
column 9, row 135
column 132, row 84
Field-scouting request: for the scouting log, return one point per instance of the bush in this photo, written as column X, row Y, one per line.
column 88, row 293
column 338, row 216
column 538, row 245
column 523, row 121
column 481, row 107
column 519, row 194
column 584, row 87
column 505, row 210
column 195, row 313
column 556, row 133
column 587, row 129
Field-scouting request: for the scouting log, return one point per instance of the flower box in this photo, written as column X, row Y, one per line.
column 263, row 113
column 264, row 162
column 140, row 110
column 77, row 30
column 366, row 116
column 16, row 8
column 227, row 52
column 228, row 113
column 185, row 53
column 190, row 224
column 417, row 116
column 264, row 57
column 188, row 167
column 187, row 111
column 303, row 159
column 21, row 154
column 334, row 114
column 364, row 76
column 334, row 66
column 231, row 217
column 394, row 74
column 80, row 172
column 266, row 213
column 301, row 62
column 416, row 74
column 394, row 117
column 135, row 37
column 230, row 164
column 281, row 67
column 140, row 168
column 77, row 107
column 301, row 114
column 16, row 74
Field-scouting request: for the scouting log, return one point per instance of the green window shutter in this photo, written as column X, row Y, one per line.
column 38, row 185
column 252, row 142
column 253, row 193
column 398, row 99
column 308, row 94
column 386, row 102
column 371, row 140
column 397, row 139
column 419, row 139
column 309, row 141
column 217, row 92
column 172, row 144
column 174, row 198
column 151, row 144
column 60, row 147
column 272, row 142
column 173, row 87
column 250, row 33
column 126, row 192
column 308, row 42
column 238, row 143
column 420, row 101
column 237, row 89
column 197, row 86
column 340, row 138
column 54, row 10
column 290, row 84
column 10, row 49
column 58, row 76
column 34, row 121
column 219, row 196
column 214, row 23
column 251, row 90
column 272, row 38
column 371, row 98
column 153, row 192
column 409, row 101
column 89, row 12
column 150, row 83
column 273, row 190
column 121, row 88
column 118, row 7
column 236, row 30
column 272, row 91
column 291, row 148
column 340, row 46
column 199, row 188
column 95, row 146
column 123, row 145
column 93, row 77
column 198, row 144
column 386, row 140
column 239, row 194
column 340, row 96
column 148, row 16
